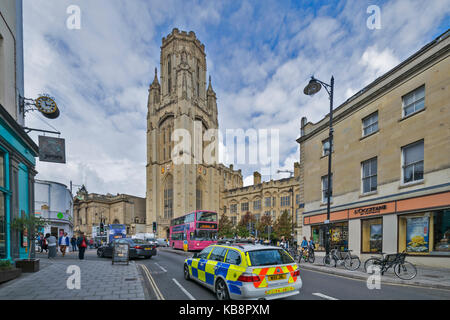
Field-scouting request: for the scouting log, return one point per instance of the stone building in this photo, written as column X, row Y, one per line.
column 265, row 198
column 390, row 187
column 182, row 102
column 90, row 208
column 17, row 150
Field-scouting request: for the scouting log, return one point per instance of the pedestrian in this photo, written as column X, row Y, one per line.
column 63, row 243
column 91, row 243
column 51, row 244
column 73, row 242
column 82, row 245
column 44, row 244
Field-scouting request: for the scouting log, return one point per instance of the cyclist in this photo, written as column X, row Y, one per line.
column 311, row 245
column 304, row 246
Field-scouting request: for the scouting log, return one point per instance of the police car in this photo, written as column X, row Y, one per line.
column 245, row 271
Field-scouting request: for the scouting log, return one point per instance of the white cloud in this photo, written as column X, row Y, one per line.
column 260, row 58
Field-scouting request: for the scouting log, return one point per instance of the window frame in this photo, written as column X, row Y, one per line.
column 403, row 166
column 371, row 175
column 364, row 127
column 404, row 115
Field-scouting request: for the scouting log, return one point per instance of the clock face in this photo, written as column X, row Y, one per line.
column 46, row 105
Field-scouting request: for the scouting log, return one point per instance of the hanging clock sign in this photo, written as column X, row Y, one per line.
column 47, row 106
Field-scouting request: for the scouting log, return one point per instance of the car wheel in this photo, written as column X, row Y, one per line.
column 186, row 272
column 222, row 290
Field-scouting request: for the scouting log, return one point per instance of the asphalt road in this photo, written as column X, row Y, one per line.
column 166, row 282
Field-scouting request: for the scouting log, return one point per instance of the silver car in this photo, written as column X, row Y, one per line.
column 245, row 271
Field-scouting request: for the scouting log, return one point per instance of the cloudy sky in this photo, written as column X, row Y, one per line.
column 260, row 55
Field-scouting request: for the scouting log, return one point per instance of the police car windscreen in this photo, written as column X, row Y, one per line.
column 269, row 257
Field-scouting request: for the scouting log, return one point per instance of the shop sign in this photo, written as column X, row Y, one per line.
column 369, row 210
column 52, row 149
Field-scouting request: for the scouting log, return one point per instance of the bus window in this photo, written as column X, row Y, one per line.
column 205, row 235
column 207, row 216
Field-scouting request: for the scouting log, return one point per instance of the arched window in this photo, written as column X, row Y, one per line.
column 168, row 198
column 116, row 221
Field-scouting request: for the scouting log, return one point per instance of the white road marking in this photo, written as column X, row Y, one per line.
column 324, row 296
column 161, row 267
column 183, row 289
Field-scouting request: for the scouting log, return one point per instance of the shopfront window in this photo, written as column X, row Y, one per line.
column 372, row 235
column 425, row 233
column 338, row 236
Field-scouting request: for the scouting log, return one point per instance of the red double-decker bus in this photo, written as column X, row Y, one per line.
column 198, row 229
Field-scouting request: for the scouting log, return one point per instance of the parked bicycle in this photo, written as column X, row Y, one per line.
column 336, row 257
column 403, row 269
column 307, row 256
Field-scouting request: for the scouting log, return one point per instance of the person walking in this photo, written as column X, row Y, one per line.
column 82, row 245
column 73, row 242
column 51, row 240
column 63, row 243
column 44, row 244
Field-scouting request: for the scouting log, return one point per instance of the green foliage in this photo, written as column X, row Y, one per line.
column 242, row 228
column 283, row 225
column 5, row 265
column 31, row 224
column 225, row 227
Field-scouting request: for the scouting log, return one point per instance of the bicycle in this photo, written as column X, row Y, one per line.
column 293, row 252
column 403, row 269
column 307, row 255
column 336, row 257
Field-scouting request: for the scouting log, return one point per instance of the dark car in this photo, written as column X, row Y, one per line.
column 138, row 248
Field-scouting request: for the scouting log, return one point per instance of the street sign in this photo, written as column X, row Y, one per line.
column 121, row 252
column 52, row 149
column 326, row 221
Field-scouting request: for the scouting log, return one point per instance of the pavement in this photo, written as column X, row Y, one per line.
column 99, row 280
column 427, row 277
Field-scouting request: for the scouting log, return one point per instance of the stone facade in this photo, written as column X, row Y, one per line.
column 393, row 196
column 181, row 101
column 88, row 209
column 182, row 104
column 266, row 198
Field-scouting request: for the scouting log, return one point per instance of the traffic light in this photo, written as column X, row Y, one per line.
column 101, row 228
column 154, row 227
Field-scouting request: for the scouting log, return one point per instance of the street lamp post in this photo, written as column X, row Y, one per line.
column 291, row 190
column 311, row 89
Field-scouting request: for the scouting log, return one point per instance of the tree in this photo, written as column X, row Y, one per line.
column 29, row 226
column 283, row 225
column 242, row 228
column 264, row 224
column 225, row 227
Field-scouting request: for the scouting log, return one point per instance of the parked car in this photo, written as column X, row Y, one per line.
column 138, row 248
column 245, row 271
column 161, row 242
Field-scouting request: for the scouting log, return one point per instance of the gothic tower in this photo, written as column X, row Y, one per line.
column 180, row 109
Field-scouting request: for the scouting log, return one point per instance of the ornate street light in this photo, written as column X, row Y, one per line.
column 311, row 89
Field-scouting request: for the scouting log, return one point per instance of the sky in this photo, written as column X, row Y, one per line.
column 260, row 55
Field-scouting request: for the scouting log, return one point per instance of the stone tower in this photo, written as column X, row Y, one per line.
column 180, row 103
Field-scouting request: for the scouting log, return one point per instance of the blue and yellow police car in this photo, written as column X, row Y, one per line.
column 245, row 271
